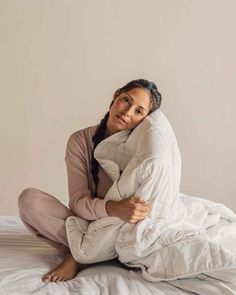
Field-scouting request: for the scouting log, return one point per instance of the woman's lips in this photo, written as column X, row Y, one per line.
column 121, row 119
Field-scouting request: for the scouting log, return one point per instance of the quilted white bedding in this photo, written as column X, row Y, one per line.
column 182, row 236
column 24, row 259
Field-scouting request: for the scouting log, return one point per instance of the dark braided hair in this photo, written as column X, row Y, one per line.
column 101, row 129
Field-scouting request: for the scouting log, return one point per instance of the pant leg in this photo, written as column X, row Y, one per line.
column 44, row 216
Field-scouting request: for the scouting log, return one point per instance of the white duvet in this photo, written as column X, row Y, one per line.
column 182, row 236
column 25, row 259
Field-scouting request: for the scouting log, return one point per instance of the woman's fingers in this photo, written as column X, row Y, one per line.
column 139, row 215
column 140, row 212
column 135, row 219
column 142, row 208
column 140, row 200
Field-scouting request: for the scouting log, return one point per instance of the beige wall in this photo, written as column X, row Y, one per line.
column 61, row 61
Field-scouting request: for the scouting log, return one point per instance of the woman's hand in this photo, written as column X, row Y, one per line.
column 130, row 210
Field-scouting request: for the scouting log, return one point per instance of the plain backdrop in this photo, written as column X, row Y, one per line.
column 61, row 61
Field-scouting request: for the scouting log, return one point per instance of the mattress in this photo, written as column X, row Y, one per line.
column 24, row 259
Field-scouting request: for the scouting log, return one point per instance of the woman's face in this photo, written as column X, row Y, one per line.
column 128, row 110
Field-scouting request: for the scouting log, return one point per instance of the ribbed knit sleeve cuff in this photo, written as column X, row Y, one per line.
column 100, row 208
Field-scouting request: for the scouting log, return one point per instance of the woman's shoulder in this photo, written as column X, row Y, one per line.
column 85, row 131
column 82, row 136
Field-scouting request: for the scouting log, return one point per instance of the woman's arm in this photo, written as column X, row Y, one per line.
column 80, row 196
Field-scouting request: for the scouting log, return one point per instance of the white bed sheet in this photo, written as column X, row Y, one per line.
column 24, row 259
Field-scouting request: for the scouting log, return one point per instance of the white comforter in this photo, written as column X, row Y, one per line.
column 180, row 237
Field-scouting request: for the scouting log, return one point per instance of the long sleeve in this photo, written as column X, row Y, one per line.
column 79, row 177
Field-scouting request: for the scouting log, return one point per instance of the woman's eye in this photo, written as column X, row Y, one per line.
column 126, row 99
column 138, row 111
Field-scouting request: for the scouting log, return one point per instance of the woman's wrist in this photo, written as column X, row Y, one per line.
column 110, row 207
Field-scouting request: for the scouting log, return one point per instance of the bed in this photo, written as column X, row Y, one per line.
column 25, row 259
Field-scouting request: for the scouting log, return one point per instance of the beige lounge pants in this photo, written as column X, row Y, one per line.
column 44, row 216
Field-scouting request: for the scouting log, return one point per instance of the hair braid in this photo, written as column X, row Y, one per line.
column 98, row 136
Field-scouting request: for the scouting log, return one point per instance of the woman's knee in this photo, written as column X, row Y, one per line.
column 28, row 198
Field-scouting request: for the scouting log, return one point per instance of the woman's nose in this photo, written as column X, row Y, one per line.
column 127, row 111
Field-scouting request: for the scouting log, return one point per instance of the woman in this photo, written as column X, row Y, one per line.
column 88, row 183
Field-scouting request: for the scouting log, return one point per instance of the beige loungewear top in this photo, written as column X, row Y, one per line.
column 80, row 182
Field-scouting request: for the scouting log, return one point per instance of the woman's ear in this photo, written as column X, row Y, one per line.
column 117, row 93
column 151, row 105
column 113, row 99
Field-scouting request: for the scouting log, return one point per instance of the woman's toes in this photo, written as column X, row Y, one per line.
column 46, row 279
column 60, row 279
column 54, row 278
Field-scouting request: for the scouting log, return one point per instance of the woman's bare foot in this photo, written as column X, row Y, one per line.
column 65, row 271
